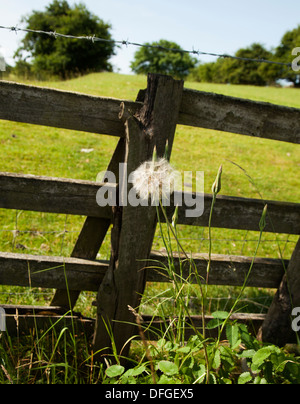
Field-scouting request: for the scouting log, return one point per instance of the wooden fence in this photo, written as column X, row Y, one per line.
column 141, row 125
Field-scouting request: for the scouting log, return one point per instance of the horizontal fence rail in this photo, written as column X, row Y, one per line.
column 241, row 116
column 80, row 112
column 229, row 270
column 51, row 272
column 243, row 214
column 28, row 318
column 87, row 275
column 51, row 195
column 61, row 109
column 155, row 327
column 76, row 197
column 23, row 319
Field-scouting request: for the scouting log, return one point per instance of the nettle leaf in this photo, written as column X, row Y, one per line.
column 263, row 354
column 200, row 374
column 248, row 353
column 217, row 360
column 169, row 368
column 185, row 349
column 227, row 356
column 221, row 315
column 214, row 323
column 232, row 334
column 245, row 378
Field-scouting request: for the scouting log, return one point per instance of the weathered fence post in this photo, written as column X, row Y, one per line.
column 277, row 327
column 134, row 227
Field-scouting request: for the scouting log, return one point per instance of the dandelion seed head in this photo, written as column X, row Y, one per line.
column 155, row 179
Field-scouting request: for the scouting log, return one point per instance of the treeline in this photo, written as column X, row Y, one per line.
column 232, row 71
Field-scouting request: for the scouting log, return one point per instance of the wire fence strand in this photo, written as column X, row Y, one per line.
column 94, row 38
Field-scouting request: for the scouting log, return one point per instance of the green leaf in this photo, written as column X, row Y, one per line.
column 169, row 368
column 136, row 371
column 232, row 333
column 167, row 380
column 248, row 353
column 161, row 343
column 168, row 346
column 263, row 354
column 184, row 349
column 214, row 323
column 260, row 356
column 227, row 356
column 246, row 338
column 245, row 378
column 200, row 374
column 222, row 315
column 115, row 371
column 217, row 360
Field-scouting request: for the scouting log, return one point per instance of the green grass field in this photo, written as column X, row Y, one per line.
column 29, row 149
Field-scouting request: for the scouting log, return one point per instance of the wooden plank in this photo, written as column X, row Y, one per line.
column 237, row 115
column 242, row 214
column 229, row 270
column 156, row 327
column 61, row 109
column 134, row 227
column 87, row 274
column 23, row 320
column 49, row 107
column 51, row 272
column 18, row 325
column 75, row 197
column 53, row 195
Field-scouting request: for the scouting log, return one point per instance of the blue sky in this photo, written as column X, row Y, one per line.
column 219, row 26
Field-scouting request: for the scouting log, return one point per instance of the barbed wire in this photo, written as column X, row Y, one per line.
column 94, row 38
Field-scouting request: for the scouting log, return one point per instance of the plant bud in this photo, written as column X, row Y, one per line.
column 262, row 222
column 216, row 188
column 175, row 217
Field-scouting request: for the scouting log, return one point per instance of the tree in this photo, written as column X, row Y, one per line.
column 248, row 72
column 66, row 57
column 283, row 53
column 155, row 58
column 234, row 71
